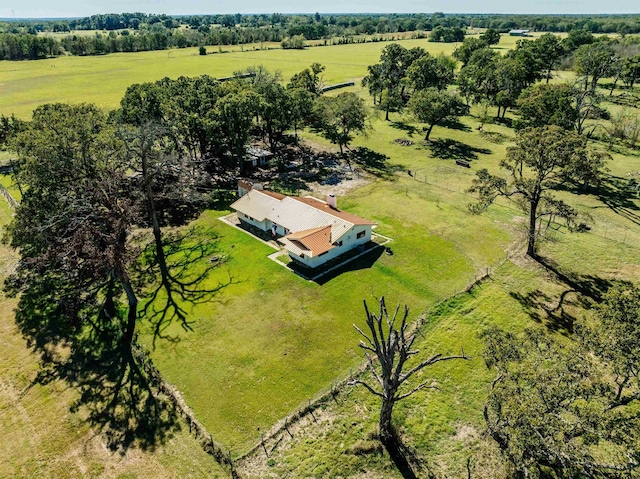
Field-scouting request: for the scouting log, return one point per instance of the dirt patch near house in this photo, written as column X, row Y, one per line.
column 340, row 186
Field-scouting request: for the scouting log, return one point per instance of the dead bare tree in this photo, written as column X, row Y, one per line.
column 392, row 348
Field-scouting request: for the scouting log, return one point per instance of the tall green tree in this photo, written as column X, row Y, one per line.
column 431, row 106
column 490, row 36
column 542, row 160
column 631, row 71
column 467, row 48
column 569, row 408
column 429, row 71
column 542, row 105
column 549, row 50
column 340, row 117
column 593, row 62
column 308, row 79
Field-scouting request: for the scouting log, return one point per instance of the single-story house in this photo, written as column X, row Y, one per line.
column 258, row 157
column 311, row 230
column 519, row 33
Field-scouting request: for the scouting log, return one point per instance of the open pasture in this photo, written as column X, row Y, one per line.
column 103, row 79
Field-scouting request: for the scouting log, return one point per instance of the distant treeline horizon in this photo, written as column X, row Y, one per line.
column 132, row 32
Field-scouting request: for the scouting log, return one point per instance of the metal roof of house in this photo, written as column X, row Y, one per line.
column 297, row 215
column 257, row 204
column 343, row 215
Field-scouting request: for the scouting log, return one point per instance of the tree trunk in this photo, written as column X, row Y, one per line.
column 157, row 232
column 429, row 132
column 531, row 239
column 132, row 315
column 387, row 436
column 614, row 85
column 548, row 74
column 386, row 116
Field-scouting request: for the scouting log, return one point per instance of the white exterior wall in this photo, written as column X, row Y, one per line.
column 280, row 231
column 349, row 241
column 258, row 224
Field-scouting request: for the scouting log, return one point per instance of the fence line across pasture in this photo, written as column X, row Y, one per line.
column 13, row 203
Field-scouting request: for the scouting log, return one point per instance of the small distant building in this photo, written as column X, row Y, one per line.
column 519, row 33
column 258, row 157
column 311, row 230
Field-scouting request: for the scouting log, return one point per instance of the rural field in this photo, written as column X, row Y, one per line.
column 271, row 342
column 103, row 80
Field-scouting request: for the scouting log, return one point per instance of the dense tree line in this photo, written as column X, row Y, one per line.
column 320, row 25
column 129, row 32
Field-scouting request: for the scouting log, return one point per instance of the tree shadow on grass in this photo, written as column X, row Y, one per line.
column 373, row 162
column 406, row 460
column 583, row 290
column 617, row 194
column 406, row 127
column 448, row 149
column 78, row 332
column 190, row 255
column 120, row 399
column 455, row 124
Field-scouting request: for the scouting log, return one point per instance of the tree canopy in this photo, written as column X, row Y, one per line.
column 542, row 160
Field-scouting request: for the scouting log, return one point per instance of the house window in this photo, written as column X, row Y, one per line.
column 360, row 234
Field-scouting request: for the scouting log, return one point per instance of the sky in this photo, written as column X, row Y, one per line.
column 79, row 8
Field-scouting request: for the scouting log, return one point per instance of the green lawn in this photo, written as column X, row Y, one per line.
column 274, row 340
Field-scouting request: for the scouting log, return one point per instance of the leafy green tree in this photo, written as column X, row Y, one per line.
column 235, row 112
column 569, row 409
column 339, row 117
column 275, row 110
column 469, row 46
column 542, row 160
column 477, row 79
column 429, row 71
column 388, row 75
column 593, row 62
column 431, row 106
column 550, row 51
column 490, row 36
column 631, row 71
column 374, row 81
column 542, row 105
column 511, row 79
column 615, row 339
column 301, row 108
column 577, row 38
column 527, row 55
column 308, row 79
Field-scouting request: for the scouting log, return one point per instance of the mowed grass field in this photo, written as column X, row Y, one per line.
column 270, row 341
column 103, row 79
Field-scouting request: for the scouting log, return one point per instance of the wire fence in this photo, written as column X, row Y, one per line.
column 269, row 441
column 13, row 203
